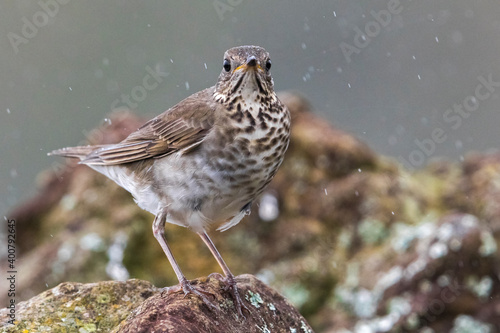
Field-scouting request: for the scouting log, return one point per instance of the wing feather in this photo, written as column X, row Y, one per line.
column 181, row 128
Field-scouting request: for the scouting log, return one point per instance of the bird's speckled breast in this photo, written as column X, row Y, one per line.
column 233, row 165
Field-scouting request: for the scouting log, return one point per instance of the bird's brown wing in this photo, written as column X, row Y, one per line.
column 181, row 128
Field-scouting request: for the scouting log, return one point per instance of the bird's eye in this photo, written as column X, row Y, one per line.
column 227, row 65
column 268, row 65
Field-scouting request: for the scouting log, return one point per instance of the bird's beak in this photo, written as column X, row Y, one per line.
column 251, row 63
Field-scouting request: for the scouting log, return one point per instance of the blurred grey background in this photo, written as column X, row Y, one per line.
column 64, row 64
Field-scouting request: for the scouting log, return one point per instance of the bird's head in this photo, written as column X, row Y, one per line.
column 245, row 72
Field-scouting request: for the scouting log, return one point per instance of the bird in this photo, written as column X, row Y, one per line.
column 203, row 162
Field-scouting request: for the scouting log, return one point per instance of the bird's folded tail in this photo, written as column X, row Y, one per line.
column 80, row 152
column 112, row 154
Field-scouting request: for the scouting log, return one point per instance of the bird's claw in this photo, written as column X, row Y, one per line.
column 188, row 288
column 230, row 285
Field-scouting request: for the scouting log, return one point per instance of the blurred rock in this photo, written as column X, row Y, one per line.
column 352, row 239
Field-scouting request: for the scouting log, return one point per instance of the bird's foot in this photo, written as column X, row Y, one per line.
column 230, row 285
column 188, row 288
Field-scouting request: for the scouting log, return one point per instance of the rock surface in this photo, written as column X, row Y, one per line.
column 76, row 307
column 356, row 242
column 136, row 306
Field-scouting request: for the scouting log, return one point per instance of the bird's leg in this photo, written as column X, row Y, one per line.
column 185, row 286
column 229, row 277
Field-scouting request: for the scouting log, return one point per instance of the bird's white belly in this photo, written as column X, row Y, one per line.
column 197, row 195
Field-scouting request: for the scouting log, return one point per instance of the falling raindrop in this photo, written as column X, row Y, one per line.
column 437, row 39
column 71, row 89
column 205, row 65
column 187, row 85
column 8, row 111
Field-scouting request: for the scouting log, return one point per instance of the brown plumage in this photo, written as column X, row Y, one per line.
column 202, row 162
